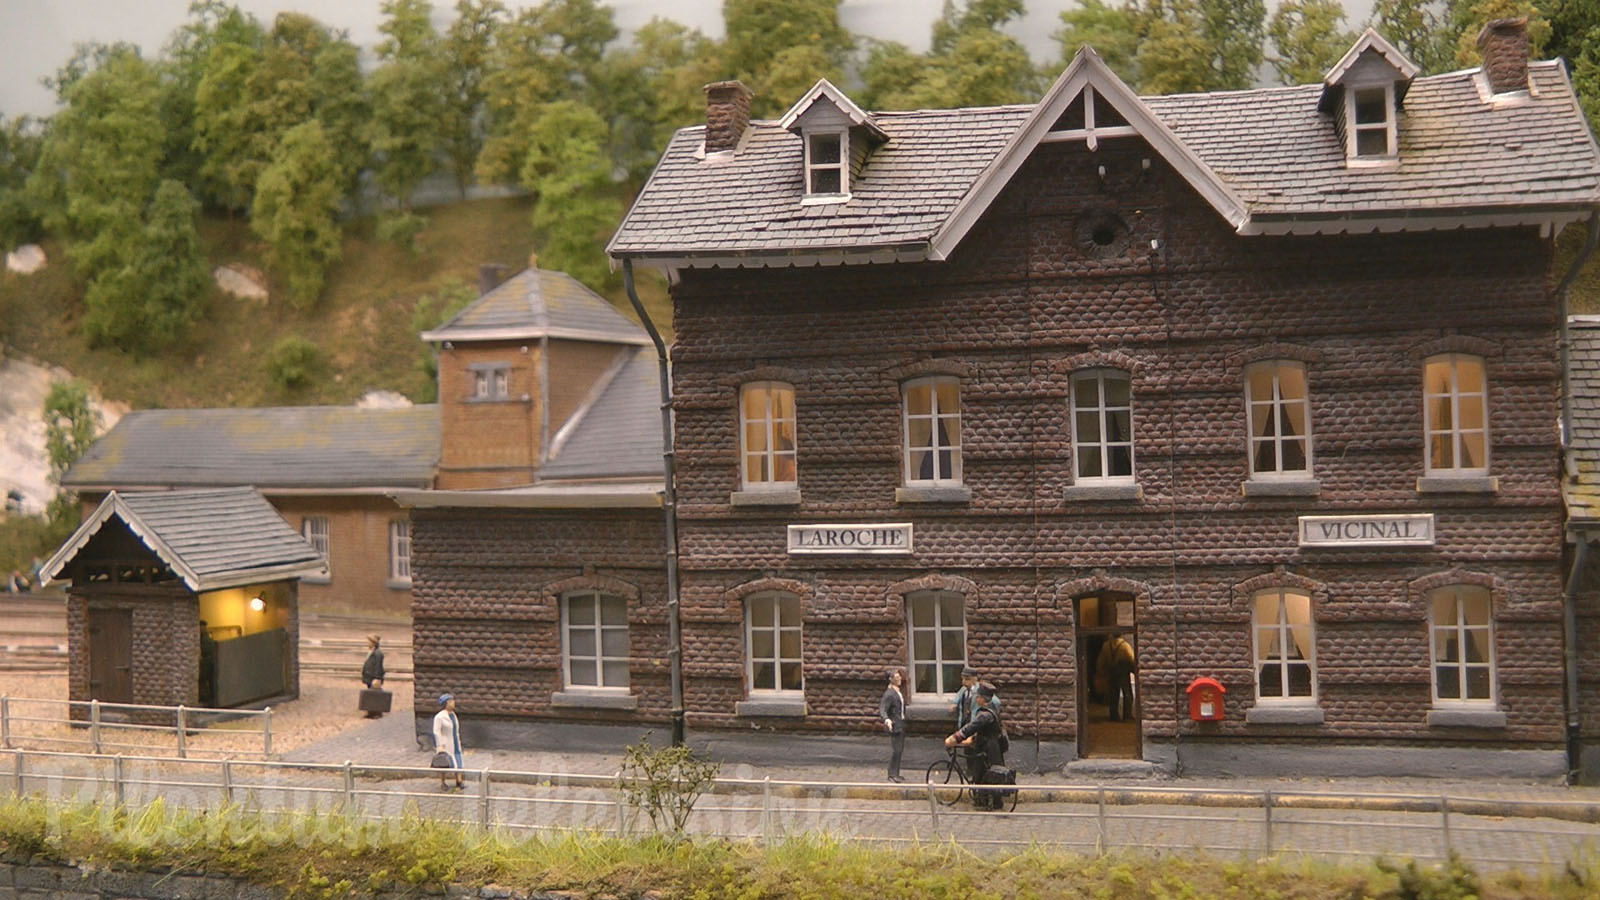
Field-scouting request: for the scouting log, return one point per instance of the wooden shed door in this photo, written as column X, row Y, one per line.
column 111, row 655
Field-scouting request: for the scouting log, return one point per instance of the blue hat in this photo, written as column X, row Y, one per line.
column 446, row 698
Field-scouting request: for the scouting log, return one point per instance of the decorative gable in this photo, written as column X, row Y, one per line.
column 837, row 136
column 1363, row 93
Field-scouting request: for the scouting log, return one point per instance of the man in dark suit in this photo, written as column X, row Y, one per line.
column 892, row 711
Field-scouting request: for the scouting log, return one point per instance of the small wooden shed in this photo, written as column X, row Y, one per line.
column 184, row 597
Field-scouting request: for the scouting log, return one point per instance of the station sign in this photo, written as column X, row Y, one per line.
column 869, row 539
column 1395, row 530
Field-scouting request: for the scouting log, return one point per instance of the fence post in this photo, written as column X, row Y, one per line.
column 933, row 808
column 266, row 734
column 483, row 797
column 1266, row 822
column 227, row 781
column 17, row 770
column 349, row 789
column 1102, row 838
column 1444, row 823
column 622, row 811
column 94, row 724
column 183, row 733
column 118, row 792
column 5, row 722
column 766, row 811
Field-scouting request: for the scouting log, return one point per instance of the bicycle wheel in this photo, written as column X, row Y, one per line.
column 948, row 780
column 1011, row 803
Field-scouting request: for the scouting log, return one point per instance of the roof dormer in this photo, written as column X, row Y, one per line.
column 836, row 136
column 1363, row 92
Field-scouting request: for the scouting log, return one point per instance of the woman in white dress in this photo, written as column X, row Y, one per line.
column 447, row 739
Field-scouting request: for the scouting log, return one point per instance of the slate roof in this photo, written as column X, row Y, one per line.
column 538, row 303
column 282, row 447
column 1581, row 487
column 215, row 538
column 619, row 435
column 1270, row 147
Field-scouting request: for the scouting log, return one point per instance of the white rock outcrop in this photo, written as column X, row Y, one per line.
column 241, row 281
column 382, row 400
column 26, row 260
column 23, row 467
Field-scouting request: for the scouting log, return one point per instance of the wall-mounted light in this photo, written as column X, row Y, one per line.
column 257, row 604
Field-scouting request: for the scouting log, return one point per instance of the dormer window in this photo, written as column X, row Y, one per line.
column 827, row 168
column 1370, row 114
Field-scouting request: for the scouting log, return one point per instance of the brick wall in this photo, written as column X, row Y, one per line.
column 490, row 443
column 358, row 551
column 1028, row 298
column 575, row 366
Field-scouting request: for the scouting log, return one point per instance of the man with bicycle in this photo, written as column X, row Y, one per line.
column 984, row 733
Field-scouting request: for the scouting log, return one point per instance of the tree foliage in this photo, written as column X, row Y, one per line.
column 971, row 62
column 1416, row 27
column 408, row 102
column 465, row 59
column 156, row 291
column 70, row 425
column 1113, row 32
column 775, row 45
column 1467, row 18
column 21, row 140
column 296, row 199
column 576, row 210
column 1308, row 37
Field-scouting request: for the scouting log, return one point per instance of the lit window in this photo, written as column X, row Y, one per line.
column 1461, row 645
column 1456, row 415
column 491, row 382
column 933, row 431
column 1369, row 118
column 1286, row 657
column 315, row 530
column 772, row 642
column 400, row 551
column 1280, row 423
column 766, row 415
column 595, row 640
column 1102, row 427
column 827, row 172
column 938, row 624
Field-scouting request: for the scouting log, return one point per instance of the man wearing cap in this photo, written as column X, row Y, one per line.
column 983, row 732
column 447, row 739
column 966, row 703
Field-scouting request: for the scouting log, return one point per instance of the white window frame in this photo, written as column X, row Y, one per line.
column 1455, row 396
column 1275, row 406
column 770, row 422
column 938, row 628
column 316, row 532
column 935, row 417
column 1104, row 444
column 600, row 658
column 778, row 628
column 1462, row 666
column 842, row 166
column 1285, row 635
column 400, row 551
column 1353, row 130
column 490, row 381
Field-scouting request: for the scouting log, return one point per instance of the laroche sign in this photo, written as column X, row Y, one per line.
column 874, row 539
column 1399, row 530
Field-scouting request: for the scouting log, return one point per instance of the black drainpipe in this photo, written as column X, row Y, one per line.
column 669, row 508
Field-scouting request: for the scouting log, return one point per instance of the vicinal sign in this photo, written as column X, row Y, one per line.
column 869, row 539
column 1397, row 530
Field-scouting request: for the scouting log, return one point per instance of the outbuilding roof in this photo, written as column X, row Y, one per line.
column 211, row 539
column 326, row 447
column 537, row 303
column 618, row 434
column 1463, row 160
column 1581, row 486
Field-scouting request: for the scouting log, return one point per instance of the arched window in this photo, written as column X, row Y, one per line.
column 772, row 643
column 1455, row 415
column 1279, row 419
column 1102, row 426
column 1285, row 646
column 932, row 410
column 767, row 435
column 1461, row 644
column 937, row 622
column 594, row 640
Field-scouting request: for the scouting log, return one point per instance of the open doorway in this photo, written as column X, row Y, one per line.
column 1108, row 676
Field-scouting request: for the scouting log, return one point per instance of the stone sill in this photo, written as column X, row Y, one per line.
column 487, row 401
column 926, row 711
column 1283, row 715
column 765, row 498
column 593, row 700
column 781, row 708
column 316, row 579
column 1455, row 484
column 941, row 494
column 1077, row 493
column 1287, row 487
column 1466, row 718
column 397, row 585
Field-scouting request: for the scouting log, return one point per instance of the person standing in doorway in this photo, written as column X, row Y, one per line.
column 892, row 712
column 447, row 740
column 1118, row 662
column 372, row 670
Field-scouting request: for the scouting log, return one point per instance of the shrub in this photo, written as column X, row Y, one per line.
column 401, row 229
column 665, row 783
column 293, row 362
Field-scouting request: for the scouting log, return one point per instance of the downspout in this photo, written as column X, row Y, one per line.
column 669, row 508
column 1569, row 619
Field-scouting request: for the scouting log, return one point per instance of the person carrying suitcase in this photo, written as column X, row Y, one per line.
column 372, row 673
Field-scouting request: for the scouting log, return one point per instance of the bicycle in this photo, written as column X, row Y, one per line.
column 948, row 777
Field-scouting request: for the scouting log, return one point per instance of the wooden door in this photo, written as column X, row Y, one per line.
column 111, row 655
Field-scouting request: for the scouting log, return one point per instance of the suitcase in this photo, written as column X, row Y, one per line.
column 375, row 700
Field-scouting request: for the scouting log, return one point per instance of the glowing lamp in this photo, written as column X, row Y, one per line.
column 257, row 604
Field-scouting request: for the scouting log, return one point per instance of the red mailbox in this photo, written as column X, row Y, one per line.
column 1205, row 699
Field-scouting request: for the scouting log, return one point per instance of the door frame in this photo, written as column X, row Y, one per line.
column 100, row 656
column 1086, row 666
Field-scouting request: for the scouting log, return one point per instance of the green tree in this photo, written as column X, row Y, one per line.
column 146, row 302
column 577, row 206
column 1570, row 24
column 1309, row 36
column 773, row 45
column 1174, row 55
column 21, row 140
column 70, row 425
column 1113, row 32
column 790, row 74
column 1586, row 78
column 972, row 62
column 341, row 103
column 1467, row 18
column 211, row 24
column 296, row 199
column 894, row 76
column 466, row 52
column 407, row 99
column 1417, row 28
column 653, row 87
column 1235, row 30
column 224, row 127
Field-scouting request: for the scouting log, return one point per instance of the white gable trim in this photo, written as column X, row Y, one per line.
column 113, row 505
column 1086, row 70
column 1372, row 40
column 825, row 89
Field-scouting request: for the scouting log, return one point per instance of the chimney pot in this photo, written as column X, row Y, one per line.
column 1504, row 46
column 490, row 275
column 727, row 114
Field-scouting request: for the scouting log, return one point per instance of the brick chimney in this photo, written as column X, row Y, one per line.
column 727, row 114
column 1504, row 45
